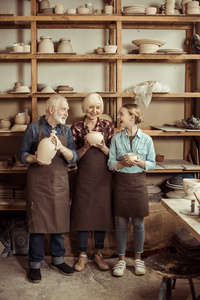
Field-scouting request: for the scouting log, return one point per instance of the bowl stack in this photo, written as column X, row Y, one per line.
column 83, row 10
column 134, row 10
column 169, row 7
column 192, row 7
column 64, row 89
column 176, row 184
column 148, row 45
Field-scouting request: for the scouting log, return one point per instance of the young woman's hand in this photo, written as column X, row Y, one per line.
column 130, row 161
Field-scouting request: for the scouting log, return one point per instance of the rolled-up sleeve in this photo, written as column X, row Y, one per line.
column 71, row 146
column 150, row 162
column 26, row 147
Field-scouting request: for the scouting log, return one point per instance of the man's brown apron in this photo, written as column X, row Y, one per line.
column 130, row 195
column 92, row 200
column 48, row 209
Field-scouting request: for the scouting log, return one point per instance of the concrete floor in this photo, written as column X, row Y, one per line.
column 90, row 284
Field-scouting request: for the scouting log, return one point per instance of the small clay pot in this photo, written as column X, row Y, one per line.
column 94, row 137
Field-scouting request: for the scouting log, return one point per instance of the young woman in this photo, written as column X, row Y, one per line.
column 92, row 199
column 130, row 187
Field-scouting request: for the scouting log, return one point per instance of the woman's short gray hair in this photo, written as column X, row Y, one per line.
column 92, row 99
column 54, row 101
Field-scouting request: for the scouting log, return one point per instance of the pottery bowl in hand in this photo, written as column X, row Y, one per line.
column 189, row 186
column 94, row 137
column 133, row 156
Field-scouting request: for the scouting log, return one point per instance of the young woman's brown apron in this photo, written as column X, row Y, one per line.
column 48, row 209
column 92, row 200
column 130, row 195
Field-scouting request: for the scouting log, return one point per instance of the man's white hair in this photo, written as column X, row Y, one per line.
column 92, row 99
column 54, row 101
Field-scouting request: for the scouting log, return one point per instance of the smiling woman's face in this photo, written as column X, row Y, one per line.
column 93, row 111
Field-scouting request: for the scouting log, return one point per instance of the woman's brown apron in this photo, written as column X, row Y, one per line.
column 48, row 208
column 92, row 200
column 130, row 195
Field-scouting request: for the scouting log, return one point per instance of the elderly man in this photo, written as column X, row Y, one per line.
column 48, row 208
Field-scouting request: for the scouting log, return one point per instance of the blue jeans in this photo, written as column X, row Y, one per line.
column 99, row 237
column 36, row 249
column 121, row 234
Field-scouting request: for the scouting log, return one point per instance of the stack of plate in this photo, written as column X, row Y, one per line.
column 177, row 192
column 134, row 10
column 64, row 89
column 172, row 51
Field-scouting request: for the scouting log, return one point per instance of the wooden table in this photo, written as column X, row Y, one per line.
column 191, row 223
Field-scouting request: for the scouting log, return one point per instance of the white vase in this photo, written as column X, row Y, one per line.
column 46, row 150
column 64, row 46
column 46, row 45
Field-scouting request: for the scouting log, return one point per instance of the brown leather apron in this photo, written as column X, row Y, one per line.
column 48, row 209
column 130, row 195
column 92, row 200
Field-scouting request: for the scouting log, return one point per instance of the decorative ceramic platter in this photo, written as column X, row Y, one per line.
column 148, row 41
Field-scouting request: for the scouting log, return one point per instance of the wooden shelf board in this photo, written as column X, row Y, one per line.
column 173, row 171
column 14, row 206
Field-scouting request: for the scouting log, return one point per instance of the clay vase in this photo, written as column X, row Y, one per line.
column 20, row 119
column 46, row 45
column 46, row 149
column 94, row 137
column 44, row 4
column 64, row 46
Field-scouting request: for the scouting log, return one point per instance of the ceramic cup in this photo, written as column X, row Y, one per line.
column 59, row 9
column 108, row 9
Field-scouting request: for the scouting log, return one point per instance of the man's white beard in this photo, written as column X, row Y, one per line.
column 58, row 119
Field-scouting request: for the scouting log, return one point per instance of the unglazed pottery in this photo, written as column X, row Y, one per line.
column 46, row 45
column 151, row 10
column 110, row 48
column 5, row 124
column 46, row 149
column 189, row 186
column 22, row 89
column 133, row 157
column 47, row 89
column 59, row 9
column 94, row 137
column 64, row 46
column 108, row 9
column 44, row 4
column 20, row 118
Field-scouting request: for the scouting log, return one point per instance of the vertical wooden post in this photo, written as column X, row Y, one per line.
column 119, row 66
column 34, row 76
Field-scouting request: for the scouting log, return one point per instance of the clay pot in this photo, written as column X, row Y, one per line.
column 46, row 149
column 20, row 118
column 133, row 156
column 44, row 4
column 5, row 124
column 46, row 45
column 64, row 46
column 189, row 186
column 94, row 137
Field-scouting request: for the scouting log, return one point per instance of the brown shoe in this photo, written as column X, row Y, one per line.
column 101, row 264
column 80, row 265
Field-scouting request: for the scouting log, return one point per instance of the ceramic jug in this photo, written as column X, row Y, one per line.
column 46, row 45
column 46, row 149
column 64, row 46
column 44, row 4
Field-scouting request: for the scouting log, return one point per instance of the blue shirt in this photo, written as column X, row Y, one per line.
column 142, row 145
column 30, row 140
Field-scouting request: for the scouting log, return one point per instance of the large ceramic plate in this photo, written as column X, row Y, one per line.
column 148, row 41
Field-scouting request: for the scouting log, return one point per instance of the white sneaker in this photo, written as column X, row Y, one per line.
column 119, row 268
column 139, row 265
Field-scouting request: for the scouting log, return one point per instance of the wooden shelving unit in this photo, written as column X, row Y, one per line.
column 114, row 24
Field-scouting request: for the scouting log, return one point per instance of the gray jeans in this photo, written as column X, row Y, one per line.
column 121, row 234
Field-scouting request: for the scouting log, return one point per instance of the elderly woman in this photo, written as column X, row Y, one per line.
column 92, row 200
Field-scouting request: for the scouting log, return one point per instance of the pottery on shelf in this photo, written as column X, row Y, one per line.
column 5, row 124
column 46, row 45
column 22, row 118
column 22, row 89
column 64, row 46
column 44, row 4
column 17, row 84
column 59, row 9
column 94, row 137
column 110, row 48
column 46, row 150
column 47, row 89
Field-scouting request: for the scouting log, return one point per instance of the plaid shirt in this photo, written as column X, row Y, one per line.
column 104, row 126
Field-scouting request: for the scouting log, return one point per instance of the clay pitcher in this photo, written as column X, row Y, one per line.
column 46, row 149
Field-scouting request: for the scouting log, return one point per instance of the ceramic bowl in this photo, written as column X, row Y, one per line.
column 189, row 186
column 151, row 10
column 5, row 124
column 83, row 10
column 71, row 11
column 18, row 48
column 133, row 156
column 22, row 89
column 110, row 48
column 94, row 137
column 148, row 48
column 159, row 158
column 47, row 89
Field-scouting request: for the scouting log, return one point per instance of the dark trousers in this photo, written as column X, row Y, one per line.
column 99, row 237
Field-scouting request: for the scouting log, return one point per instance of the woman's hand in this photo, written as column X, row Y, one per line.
column 130, row 161
column 102, row 146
